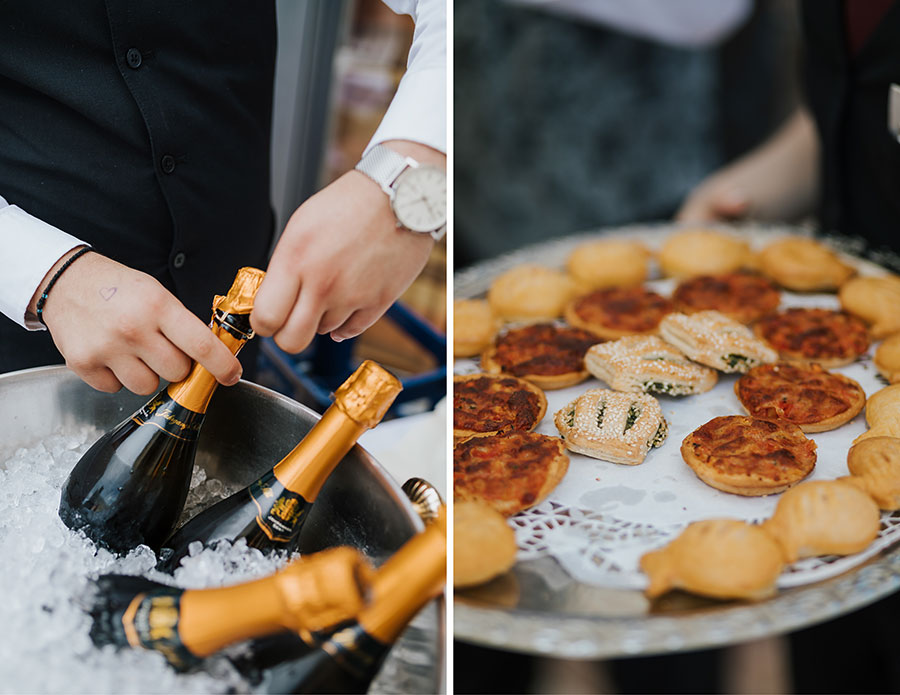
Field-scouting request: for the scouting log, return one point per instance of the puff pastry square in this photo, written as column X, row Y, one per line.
column 647, row 364
column 613, row 426
column 713, row 339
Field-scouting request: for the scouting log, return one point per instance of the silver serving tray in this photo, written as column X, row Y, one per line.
column 538, row 608
column 247, row 430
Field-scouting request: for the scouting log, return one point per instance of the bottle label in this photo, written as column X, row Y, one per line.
column 173, row 419
column 279, row 512
column 151, row 621
column 355, row 650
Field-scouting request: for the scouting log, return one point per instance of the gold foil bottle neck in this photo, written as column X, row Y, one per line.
column 366, row 396
column 239, row 299
column 324, row 589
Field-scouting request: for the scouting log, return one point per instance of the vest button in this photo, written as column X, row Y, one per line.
column 179, row 260
column 167, row 163
column 134, row 58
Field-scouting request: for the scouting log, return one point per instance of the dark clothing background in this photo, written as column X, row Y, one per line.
column 143, row 129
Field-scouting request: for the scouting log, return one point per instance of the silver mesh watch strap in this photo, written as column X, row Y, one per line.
column 383, row 166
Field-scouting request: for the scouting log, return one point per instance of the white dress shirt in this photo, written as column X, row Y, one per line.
column 29, row 247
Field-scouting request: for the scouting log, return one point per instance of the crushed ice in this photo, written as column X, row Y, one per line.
column 44, row 582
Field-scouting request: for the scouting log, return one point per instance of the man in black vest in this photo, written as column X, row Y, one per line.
column 838, row 156
column 142, row 130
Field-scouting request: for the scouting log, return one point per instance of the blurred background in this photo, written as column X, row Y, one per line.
column 574, row 115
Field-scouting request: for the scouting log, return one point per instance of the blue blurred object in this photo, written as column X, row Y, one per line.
column 312, row 376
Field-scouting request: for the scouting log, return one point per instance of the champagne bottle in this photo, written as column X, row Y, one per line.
column 187, row 625
column 130, row 486
column 346, row 659
column 270, row 512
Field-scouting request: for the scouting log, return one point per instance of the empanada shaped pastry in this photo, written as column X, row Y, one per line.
column 882, row 414
column 530, row 293
column 876, row 300
column 608, row 263
column 474, row 326
column 823, row 517
column 722, row 558
column 805, row 265
column 484, row 544
column 874, row 466
column 887, row 358
column 702, row 252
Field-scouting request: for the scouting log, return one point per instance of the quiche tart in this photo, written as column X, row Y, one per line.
column 618, row 311
column 806, row 395
column 510, row 472
column 713, row 339
column 613, row 426
column 647, row 364
column 741, row 296
column 748, row 456
column 547, row 355
column 487, row 404
column 831, row 338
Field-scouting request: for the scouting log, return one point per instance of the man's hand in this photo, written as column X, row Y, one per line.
column 117, row 326
column 341, row 261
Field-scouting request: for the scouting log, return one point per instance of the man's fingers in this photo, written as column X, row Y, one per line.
column 333, row 318
column 190, row 335
column 276, row 297
column 301, row 325
column 101, row 379
column 165, row 359
column 357, row 323
column 135, row 376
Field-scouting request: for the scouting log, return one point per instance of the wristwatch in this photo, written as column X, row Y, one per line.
column 418, row 192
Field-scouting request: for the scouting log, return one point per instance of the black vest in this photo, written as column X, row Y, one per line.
column 848, row 97
column 143, row 128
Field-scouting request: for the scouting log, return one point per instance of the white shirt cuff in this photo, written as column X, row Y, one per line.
column 418, row 111
column 30, row 248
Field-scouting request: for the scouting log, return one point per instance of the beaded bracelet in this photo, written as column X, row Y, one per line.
column 46, row 293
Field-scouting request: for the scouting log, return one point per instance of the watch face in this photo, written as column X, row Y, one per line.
column 420, row 198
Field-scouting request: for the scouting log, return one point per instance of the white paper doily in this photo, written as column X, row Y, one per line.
column 603, row 516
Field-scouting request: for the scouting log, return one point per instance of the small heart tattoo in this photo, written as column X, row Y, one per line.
column 108, row 292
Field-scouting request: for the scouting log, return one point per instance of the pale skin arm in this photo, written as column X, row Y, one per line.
column 779, row 180
column 341, row 261
column 117, row 327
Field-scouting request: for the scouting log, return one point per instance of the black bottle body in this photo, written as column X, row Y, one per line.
column 345, row 661
column 265, row 513
column 129, row 488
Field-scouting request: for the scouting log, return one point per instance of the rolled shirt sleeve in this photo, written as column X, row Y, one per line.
column 30, row 248
column 418, row 111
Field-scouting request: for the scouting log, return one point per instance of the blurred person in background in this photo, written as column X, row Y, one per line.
column 837, row 157
column 578, row 114
column 143, row 132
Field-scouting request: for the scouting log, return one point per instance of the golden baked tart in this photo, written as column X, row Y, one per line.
column 823, row 517
column 490, row 403
column 741, row 296
column 530, row 293
column 608, row 263
column 647, row 364
column 720, row 558
column 484, row 546
column 510, row 472
column 611, row 425
column 874, row 466
column 830, row 338
column 876, row 300
column 806, row 395
column 702, row 252
column 804, row 265
column 713, row 339
column 547, row 355
column 474, row 326
column 748, row 456
column 618, row 311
